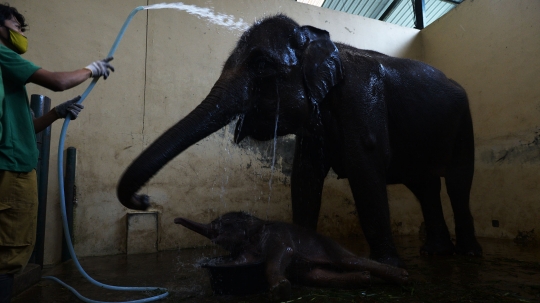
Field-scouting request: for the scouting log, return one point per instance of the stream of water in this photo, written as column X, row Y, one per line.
column 273, row 152
column 224, row 20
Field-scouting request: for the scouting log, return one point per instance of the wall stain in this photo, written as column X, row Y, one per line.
column 526, row 238
column 528, row 152
column 264, row 153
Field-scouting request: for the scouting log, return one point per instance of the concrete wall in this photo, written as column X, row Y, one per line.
column 491, row 48
column 165, row 65
column 167, row 62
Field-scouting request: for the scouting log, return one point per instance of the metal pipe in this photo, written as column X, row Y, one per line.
column 69, row 192
column 40, row 105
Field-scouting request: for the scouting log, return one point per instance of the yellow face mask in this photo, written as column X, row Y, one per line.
column 19, row 42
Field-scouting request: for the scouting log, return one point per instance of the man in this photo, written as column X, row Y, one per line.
column 18, row 149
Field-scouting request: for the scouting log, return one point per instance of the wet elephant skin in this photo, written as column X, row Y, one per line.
column 291, row 252
column 372, row 118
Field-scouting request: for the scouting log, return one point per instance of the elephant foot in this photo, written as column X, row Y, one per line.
column 437, row 248
column 138, row 202
column 280, row 291
column 402, row 278
column 396, row 275
column 469, row 248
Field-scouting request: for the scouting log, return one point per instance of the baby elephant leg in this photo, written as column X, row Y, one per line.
column 319, row 277
column 276, row 264
column 380, row 270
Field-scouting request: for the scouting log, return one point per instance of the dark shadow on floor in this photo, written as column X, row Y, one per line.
column 506, row 273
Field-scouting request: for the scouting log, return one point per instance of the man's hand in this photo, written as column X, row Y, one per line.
column 101, row 68
column 70, row 107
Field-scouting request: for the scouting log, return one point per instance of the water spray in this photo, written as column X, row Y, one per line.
column 219, row 19
column 207, row 13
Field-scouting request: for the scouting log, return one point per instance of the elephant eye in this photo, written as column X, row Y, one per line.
column 263, row 67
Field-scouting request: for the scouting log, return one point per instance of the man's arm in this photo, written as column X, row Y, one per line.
column 60, row 81
column 70, row 107
column 44, row 121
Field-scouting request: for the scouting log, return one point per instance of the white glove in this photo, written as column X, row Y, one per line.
column 101, row 68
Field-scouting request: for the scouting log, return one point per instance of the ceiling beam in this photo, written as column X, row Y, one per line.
column 419, row 7
column 389, row 10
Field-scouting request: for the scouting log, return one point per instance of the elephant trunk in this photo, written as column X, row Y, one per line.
column 202, row 229
column 209, row 116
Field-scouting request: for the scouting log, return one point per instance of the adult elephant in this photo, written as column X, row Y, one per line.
column 373, row 119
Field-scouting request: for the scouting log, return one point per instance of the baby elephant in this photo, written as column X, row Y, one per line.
column 291, row 252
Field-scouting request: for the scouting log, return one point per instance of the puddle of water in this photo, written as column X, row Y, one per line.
column 506, row 273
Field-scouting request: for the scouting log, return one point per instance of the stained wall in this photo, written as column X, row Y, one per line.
column 491, row 48
column 167, row 62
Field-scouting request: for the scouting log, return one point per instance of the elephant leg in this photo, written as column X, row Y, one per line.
column 458, row 185
column 276, row 264
column 366, row 157
column 345, row 261
column 371, row 201
column 458, row 178
column 310, row 167
column 325, row 278
column 376, row 269
column 427, row 191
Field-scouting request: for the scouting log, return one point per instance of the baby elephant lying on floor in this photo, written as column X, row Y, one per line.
column 293, row 252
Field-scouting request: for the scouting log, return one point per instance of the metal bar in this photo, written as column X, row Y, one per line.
column 453, row 1
column 69, row 193
column 389, row 10
column 419, row 7
column 40, row 105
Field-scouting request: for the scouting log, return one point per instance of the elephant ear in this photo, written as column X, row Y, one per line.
column 321, row 65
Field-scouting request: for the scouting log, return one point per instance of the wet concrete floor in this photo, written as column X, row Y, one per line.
column 507, row 273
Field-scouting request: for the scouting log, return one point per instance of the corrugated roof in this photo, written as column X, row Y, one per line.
column 398, row 12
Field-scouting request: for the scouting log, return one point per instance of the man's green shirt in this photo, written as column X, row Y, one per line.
column 18, row 148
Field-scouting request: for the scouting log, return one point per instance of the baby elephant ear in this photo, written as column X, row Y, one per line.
column 321, row 64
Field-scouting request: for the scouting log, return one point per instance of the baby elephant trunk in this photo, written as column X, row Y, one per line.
column 203, row 229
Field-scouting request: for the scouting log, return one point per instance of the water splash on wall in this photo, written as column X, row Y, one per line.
column 224, row 20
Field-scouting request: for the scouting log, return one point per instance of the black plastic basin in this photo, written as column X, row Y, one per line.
column 231, row 279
